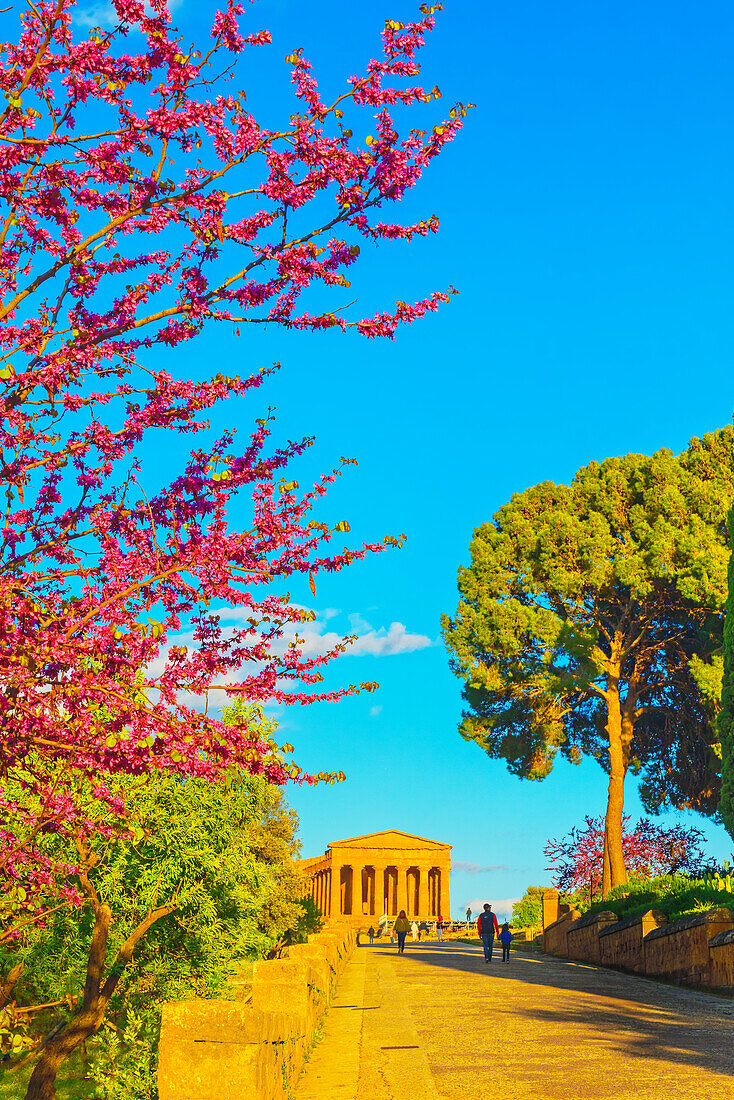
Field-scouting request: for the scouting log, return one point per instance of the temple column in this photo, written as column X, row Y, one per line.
column 402, row 891
column 442, row 893
column 380, row 906
column 445, row 893
column 421, row 891
column 432, row 899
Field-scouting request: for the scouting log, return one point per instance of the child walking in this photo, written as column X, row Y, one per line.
column 505, row 940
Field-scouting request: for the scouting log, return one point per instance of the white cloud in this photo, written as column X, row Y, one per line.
column 102, row 13
column 386, row 643
column 369, row 642
column 358, row 625
column 502, row 907
column 474, row 868
column 316, row 640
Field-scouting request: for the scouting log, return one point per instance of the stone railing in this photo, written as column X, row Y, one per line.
column 620, row 943
column 582, row 937
column 555, row 935
column 697, row 950
column 680, row 951
column 254, row 1049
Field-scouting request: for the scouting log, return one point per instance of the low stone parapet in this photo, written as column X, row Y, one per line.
column 621, row 943
column 582, row 938
column 721, row 959
column 555, row 935
column 229, row 1050
column 680, row 951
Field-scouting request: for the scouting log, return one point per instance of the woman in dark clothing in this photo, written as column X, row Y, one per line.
column 401, row 929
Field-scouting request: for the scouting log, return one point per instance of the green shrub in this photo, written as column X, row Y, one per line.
column 225, row 852
column 674, row 895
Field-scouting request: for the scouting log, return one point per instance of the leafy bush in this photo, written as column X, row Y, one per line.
column 528, row 911
column 225, row 853
column 674, row 895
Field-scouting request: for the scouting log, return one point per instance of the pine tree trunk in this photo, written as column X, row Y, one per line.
column 725, row 721
column 606, row 876
column 615, row 796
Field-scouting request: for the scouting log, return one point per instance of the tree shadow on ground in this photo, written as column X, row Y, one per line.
column 638, row 1017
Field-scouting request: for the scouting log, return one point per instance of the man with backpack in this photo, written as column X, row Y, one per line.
column 487, row 928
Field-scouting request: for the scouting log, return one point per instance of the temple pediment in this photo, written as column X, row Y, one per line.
column 392, row 839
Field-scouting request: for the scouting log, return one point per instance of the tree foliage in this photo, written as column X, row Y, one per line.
column 143, row 202
column 114, row 168
column 589, row 623
column 726, row 715
column 224, row 851
column 528, row 911
column 577, row 858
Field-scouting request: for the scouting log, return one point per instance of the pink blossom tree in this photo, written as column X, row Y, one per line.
column 143, row 202
column 577, row 859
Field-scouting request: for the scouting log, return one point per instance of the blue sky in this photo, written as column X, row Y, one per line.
column 586, row 218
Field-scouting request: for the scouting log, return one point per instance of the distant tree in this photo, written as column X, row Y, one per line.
column 590, row 623
column 528, row 911
column 649, row 849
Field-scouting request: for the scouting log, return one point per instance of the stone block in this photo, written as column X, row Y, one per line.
column 191, row 1070
column 721, row 960
column 550, row 907
column 621, row 944
column 680, row 951
column 320, row 976
column 281, row 986
column 211, row 1050
column 212, row 1021
column 555, row 935
column 582, row 937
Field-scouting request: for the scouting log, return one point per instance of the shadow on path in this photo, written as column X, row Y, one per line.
column 572, row 1002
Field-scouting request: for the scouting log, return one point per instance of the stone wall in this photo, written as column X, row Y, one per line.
column 680, row 951
column 721, row 960
column 698, row 950
column 582, row 937
column 555, row 935
column 621, row 943
column 228, row 1050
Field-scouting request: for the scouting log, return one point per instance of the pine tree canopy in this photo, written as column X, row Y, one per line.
column 590, row 622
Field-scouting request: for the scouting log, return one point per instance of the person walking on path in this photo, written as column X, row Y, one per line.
column 401, row 929
column 371, row 934
column 468, row 914
column 422, row 927
column 487, row 928
column 505, row 940
column 414, row 931
column 439, row 928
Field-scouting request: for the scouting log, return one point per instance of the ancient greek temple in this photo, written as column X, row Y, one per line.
column 385, row 872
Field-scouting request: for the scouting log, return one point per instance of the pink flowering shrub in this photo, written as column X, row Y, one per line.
column 649, row 849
